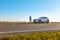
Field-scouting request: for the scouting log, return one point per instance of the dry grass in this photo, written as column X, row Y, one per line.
column 33, row 36
column 26, row 23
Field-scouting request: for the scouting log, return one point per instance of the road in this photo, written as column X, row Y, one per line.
column 22, row 27
column 27, row 28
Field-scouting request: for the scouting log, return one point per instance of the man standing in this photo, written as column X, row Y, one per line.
column 30, row 19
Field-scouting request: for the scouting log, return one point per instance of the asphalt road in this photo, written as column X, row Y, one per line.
column 28, row 27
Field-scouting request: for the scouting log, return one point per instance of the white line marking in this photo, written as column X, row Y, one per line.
column 29, row 30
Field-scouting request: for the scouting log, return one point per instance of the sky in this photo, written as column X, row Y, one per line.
column 20, row 10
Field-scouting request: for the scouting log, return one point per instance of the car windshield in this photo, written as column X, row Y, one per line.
column 43, row 18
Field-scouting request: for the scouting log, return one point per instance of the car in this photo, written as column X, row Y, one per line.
column 41, row 20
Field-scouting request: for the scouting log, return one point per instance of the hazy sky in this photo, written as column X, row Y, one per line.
column 20, row 10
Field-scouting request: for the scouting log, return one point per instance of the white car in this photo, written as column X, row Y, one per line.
column 41, row 20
